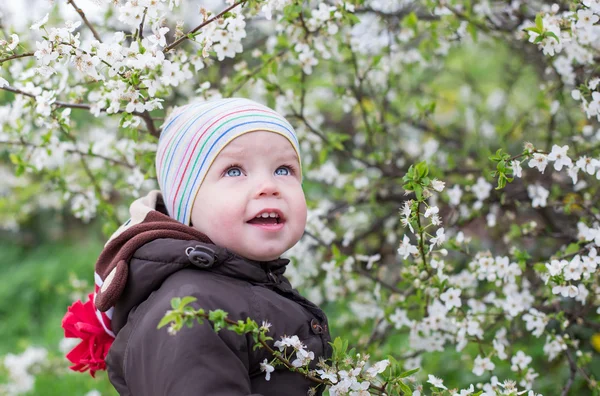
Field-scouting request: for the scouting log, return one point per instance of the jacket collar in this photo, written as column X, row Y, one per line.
column 207, row 256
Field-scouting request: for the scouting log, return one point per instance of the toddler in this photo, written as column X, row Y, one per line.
column 230, row 203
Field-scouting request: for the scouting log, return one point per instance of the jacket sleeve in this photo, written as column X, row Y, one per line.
column 196, row 361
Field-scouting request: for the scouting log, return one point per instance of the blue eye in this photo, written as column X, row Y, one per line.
column 233, row 172
column 283, row 171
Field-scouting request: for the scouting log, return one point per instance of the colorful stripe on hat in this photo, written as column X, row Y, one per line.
column 195, row 134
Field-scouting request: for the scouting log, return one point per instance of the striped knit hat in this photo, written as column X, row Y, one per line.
column 195, row 134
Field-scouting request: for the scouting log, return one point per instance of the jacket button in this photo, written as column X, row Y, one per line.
column 201, row 256
column 316, row 327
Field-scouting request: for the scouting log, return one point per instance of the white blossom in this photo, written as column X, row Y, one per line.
column 267, row 369
column 559, row 156
column 438, row 185
column 539, row 161
column 482, row 365
column 406, row 249
column 436, row 382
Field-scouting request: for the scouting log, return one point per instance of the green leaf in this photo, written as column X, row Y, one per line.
column 175, row 302
column 405, row 388
column 572, row 248
column 533, row 29
column 186, row 300
column 168, row 318
column 336, row 251
column 554, row 36
column 539, row 23
column 472, row 29
column 422, row 169
column 419, row 192
column 411, row 21
column 408, row 373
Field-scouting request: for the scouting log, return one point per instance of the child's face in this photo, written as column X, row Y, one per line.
column 255, row 173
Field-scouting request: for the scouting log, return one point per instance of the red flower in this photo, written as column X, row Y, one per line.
column 80, row 321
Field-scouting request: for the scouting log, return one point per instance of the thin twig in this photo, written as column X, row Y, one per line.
column 141, row 28
column 84, row 106
column 85, row 20
column 16, row 56
column 114, row 161
column 90, row 174
column 573, row 373
column 194, row 30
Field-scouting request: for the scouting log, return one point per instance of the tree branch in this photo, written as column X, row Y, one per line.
column 141, row 28
column 194, row 30
column 16, row 56
column 84, row 106
column 114, row 161
column 85, row 20
column 573, row 373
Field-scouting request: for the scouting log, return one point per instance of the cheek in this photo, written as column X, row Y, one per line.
column 299, row 209
column 216, row 214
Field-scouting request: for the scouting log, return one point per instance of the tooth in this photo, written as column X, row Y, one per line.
column 265, row 215
column 272, row 214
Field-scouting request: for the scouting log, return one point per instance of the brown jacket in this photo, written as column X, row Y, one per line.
column 144, row 361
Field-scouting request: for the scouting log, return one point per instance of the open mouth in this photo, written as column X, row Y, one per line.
column 267, row 218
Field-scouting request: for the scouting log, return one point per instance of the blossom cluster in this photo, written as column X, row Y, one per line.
column 457, row 263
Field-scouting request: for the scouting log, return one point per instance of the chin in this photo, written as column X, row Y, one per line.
column 263, row 256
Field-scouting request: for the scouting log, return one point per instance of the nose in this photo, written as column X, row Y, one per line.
column 267, row 187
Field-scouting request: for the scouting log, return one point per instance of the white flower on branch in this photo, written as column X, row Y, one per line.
column 586, row 19
column 538, row 195
column 131, row 14
column 265, row 367
column 12, row 44
column 593, row 108
column 516, row 168
column 555, row 267
column 400, row 319
column 587, row 164
column 451, row 298
column 3, row 82
column 549, row 45
column 535, row 321
column 44, row 103
column 454, row 195
column 87, row 65
column 560, row 157
column 36, row 26
column 406, row 249
column 84, row 205
column 520, row 361
column 110, row 52
column 292, row 341
column 481, row 365
column 303, row 358
column 432, row 210
column 465, row 392
column 594, row 5
column 554, row 346
column 481, row 189
column 438, row 239
column 566, row 291
column 436, row 382
column 45, row 52
column 573, row 270
column 539, row 161
column 158, row 37
column 328, row 375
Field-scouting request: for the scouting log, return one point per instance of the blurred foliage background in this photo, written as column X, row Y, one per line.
column 47, row 261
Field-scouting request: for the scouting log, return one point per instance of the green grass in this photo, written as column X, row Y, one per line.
column 35, row 291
